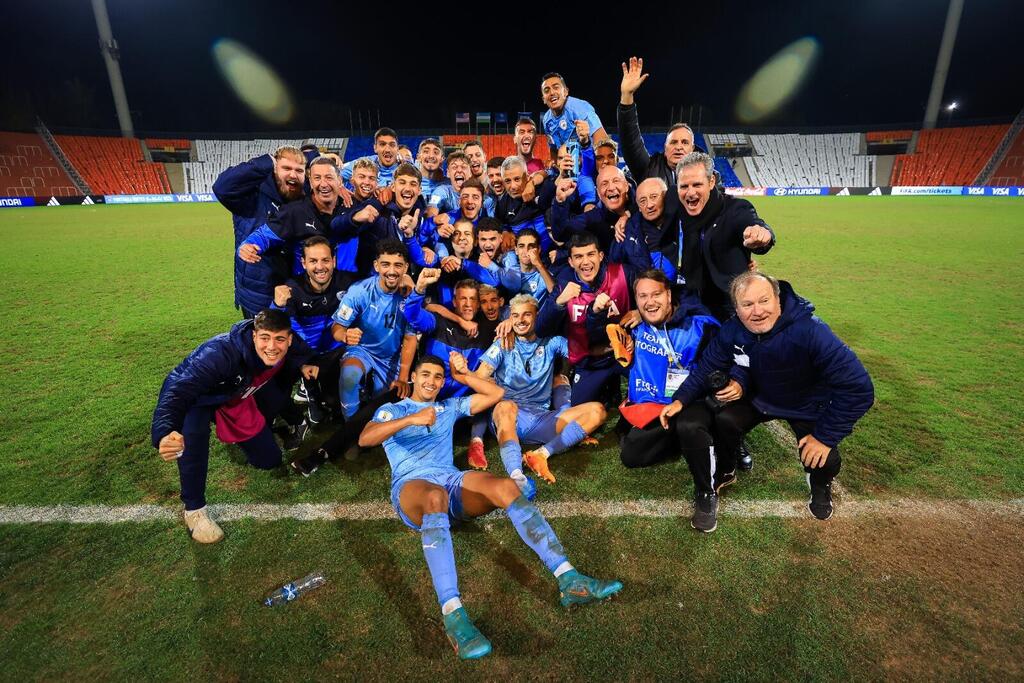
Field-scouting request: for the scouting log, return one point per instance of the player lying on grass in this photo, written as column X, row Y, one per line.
column 786, row 364
column 526, row 372
column 428, row 492
column 227, row 381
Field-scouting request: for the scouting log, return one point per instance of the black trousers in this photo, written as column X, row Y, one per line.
column 739, row 417
column 689, row 433
column 348, row 434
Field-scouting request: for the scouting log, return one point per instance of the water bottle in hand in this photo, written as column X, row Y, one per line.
column 290, row 591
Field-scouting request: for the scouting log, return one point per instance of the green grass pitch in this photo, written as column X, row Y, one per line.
column 101, row 302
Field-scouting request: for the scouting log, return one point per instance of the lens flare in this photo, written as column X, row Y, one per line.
column 777, row 81
column 253, row 81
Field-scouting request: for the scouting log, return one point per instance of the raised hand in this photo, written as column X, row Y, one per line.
column 353, row 335
column 409, row 222
column 569, row 292
column 457, row 363
column 427, row 277
column 281, row 294
column 632, row 78
column 564, row 188
column 367, row 214
column 620, row 227
column 756, row 236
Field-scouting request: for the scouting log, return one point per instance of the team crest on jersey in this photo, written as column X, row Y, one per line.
column 539, row 352
column 385, row 416
column 438, row 409
column 563, row 124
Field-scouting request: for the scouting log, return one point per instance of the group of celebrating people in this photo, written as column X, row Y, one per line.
column 396, row 296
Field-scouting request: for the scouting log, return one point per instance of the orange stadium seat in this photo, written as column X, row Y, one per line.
column 948, row 156
column 114, row 165
column 888, row 137
column 1011, row 169
column 168, row 144
column 499, row 145
column 28, row 168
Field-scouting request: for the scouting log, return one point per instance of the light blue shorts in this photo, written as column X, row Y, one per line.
column 380, row 375
column 535, row 425
column 449, row 480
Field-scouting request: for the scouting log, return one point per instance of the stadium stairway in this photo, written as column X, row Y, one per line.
column 1011, row 170
column 27, row 168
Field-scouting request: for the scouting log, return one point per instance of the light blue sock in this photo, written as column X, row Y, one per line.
column 437, row 549
column 512, row 456
column 569, row 437
column 560, row 396
column 348, row 389
column 536, row 533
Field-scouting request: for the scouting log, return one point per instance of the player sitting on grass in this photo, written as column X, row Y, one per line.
column 428, row 492
column 227, row 381
column 526, row 372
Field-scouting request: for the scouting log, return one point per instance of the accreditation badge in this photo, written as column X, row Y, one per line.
column 673, row 380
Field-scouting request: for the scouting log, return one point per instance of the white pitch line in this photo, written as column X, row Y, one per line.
column 656, row 508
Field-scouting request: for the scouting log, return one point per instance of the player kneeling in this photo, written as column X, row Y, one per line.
column 428, row 491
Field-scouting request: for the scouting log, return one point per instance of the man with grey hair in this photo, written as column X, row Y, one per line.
column 678, row 140
column 522, row 205
column 719, row 231
column 616, row 204
column 783, row 363
column 653, row 232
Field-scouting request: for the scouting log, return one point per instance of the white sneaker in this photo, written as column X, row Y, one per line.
column 202, row 528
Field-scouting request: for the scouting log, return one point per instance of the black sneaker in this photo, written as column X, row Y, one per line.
column 296, row 436
column 301, row 395
column 705, row 512
column 820, row 503
column 745, row 462
column 724, row 480
column 310, row 464
column 316, row 413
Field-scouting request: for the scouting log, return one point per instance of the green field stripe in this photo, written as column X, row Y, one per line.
column 362, row 512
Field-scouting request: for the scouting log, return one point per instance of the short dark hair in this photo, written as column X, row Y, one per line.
column 553, row 74
column 385, row 132
column 315, row 240
column 272, row 320
column 495, row 162
column 525, row 120
column 429, row 141
column 471, row 143
column 323, row 160
column 488, row 224
column 428, row 359
column 529, row 232
column 392, row 247
column 405, row 168
column 473, row 183
column 653, row 274
column 583, row 239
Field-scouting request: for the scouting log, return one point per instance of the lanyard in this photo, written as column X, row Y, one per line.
column 679, row 260
column 667, row 346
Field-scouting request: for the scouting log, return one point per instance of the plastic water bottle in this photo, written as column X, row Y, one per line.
column 290, row 591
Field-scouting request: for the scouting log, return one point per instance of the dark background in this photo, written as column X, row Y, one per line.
column 418, row 67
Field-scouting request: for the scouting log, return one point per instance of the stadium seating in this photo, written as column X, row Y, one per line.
column 114, row 165
column 889, row 137
column 359, row 147
column 809, row 160
column 213, row 156
column 947, row 156
column 169, row 144
column 1011, row 170
column 27, row 168
column 724, row 168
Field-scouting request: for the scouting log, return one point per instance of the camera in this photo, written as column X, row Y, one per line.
column 717, row 380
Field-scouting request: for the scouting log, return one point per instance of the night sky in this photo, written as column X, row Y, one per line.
column 875, row 67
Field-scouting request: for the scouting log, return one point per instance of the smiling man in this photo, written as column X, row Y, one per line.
column 785, row 363
column 369, row 320
column 226, row 381
column 567, row 115
column 616, row 201
column 445, row 197
column 428, row 492
column 720, row 232
column 527, row 373
column 254, row 191
column 428, row 160
column 385, row 148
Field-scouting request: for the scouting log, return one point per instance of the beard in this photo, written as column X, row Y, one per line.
column 289, row 192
